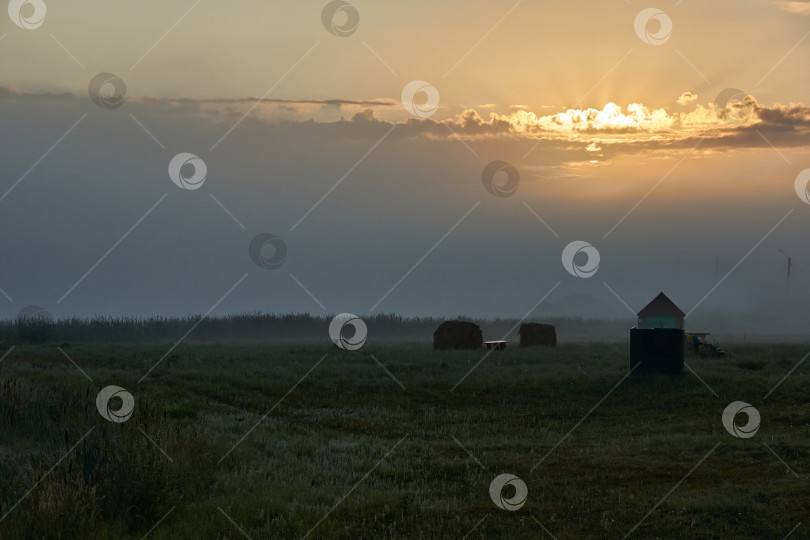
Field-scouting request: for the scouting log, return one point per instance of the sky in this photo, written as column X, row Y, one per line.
column 415, row 158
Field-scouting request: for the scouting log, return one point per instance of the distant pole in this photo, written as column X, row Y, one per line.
column 790, row 265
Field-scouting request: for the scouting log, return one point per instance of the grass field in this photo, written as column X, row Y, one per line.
column 344, row 451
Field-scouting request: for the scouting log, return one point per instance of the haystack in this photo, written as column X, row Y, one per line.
column 458, row 335
column 536, row 334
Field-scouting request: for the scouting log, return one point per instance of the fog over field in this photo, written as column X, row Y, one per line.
column 499, row 260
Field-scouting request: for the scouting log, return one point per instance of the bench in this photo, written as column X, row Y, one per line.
column 497, row 345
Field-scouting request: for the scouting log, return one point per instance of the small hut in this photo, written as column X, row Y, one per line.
column 657, row 343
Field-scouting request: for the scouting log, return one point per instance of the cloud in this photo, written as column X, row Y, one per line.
column 334, row 103
column 687, row 98
column 320, row 102
column 785, row 115
column 785, row 125
column 266, row 109
column 800, row 8
column 593, row 147
column 613, row 127
column 611, row 119
column 11, row 91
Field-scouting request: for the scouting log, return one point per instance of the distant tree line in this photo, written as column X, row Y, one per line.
column 264, row 327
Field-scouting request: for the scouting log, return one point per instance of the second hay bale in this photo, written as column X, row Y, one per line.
column 536, row 334
column 458, row 335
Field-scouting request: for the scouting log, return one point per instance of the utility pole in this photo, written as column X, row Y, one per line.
column 790, row 265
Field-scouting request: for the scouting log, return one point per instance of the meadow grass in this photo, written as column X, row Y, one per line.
column 349, row 430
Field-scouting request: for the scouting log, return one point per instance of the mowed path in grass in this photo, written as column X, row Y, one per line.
column 346, row 452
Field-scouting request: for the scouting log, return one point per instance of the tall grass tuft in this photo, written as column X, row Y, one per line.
column 113, row 484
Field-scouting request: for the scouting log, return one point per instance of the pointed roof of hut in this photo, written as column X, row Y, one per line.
column 661, row 306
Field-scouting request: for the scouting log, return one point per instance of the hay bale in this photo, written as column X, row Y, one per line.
column 458, row 335
column 536, row 334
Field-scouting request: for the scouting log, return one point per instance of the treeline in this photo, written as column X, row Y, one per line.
column 262, row 327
